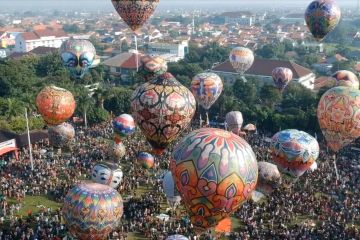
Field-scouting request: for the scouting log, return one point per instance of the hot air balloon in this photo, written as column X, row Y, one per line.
column 346, row 78
column 123, row 126
column 108, row 174
column 162, row 108
column 135, row 12
column 215, row 171
column 116, row 151
column 152, row 67
column 56, row 105
column 177, row 237
column 146, row 160
column 77, row 55
column 294, row 151
column 322, row 16
column 234, row 121
column 241, row 59
column 339, row 116
column 269, row 178
column 92, row 211
column 250, row 127
column 282, row 76
column 172, row 195
column 61, row 135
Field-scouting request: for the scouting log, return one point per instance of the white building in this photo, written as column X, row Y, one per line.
column 27, row 41
column 240, row 18
column 171, row 51
column 293, row 19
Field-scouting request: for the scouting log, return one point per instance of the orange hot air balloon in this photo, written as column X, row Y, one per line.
column 56, row 105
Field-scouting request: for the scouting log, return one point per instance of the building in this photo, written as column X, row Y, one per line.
column 293, row 19
column 170, row 51
column 262, row 71
column 27, row 41
column 3, row 53
column 240, row 18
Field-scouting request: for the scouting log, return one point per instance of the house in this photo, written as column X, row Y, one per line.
column 262, row 71
column 240, row 18
column 27, row 41
column 172, row 51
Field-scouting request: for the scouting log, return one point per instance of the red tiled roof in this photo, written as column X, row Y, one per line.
column 264, row 67
column 43, row 33
column 124, row 60
column 324, row 82
column 30, row 36
column 44, row 50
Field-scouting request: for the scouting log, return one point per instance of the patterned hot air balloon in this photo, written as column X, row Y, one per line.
column 215, row 171
column 339, row 116
column 322, row 16
column 116, row 151
column 234, row 121
column 177, row 237
column 77, row 55
column 269, row 178
column 56, row 105
column 135, row 13
column 61, row 135
column 346, row 78
column 123, row 126
column 108, row 174
column 282, row 76
column 92, row 211
column 241, row 59
column 162, row 108
column 152, row 67
column 172, row 195
column 146, row 160
column 207, row 88
column 294, row 151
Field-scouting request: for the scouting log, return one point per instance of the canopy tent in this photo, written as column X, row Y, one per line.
column 8, row 146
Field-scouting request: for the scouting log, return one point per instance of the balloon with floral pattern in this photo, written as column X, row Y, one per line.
column 215, row 171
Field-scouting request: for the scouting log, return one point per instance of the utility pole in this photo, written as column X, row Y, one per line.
column 29, row 140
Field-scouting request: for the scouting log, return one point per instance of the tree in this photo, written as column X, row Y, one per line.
column 84, row 102
column 267, row 51
column 71, row 28
column 119, row 100
column 270, row 96
column 98, row 115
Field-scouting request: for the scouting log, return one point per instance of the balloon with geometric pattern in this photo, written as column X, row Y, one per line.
column 234, row 121
column 152, row 67
column 146, row 160
column 282, row 76
column 347, row 79
column 215, row 172
column 241, row 59
column 124, row 126
column 294, row 151
column 322, row 16
column 339, row 116
column 92, row 211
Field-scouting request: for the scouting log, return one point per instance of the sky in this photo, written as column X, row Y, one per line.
column 218, row 5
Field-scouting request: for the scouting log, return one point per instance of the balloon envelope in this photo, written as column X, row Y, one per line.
column 172, row 194
column 207, row 88
column 234, row 121
column 347, row 79
column 152, row 67
column 123, row 126
column 61, row 135
column 116, row 151
column 146, row 160
column 215, row 171
column 269, row 178
column 282, row 76
column 56, row 105
column 241, row 59
column 322, row 16
column 107, row 174
column 162, row 108
column 177, row 237
column 92, row 211
column 339, row 116
column 77, row 55
column 135, row 13
column 294, row 151
column 250, row 127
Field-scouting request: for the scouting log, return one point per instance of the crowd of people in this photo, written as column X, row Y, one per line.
column 318, row 205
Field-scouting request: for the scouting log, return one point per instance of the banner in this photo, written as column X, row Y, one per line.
column 7, row 146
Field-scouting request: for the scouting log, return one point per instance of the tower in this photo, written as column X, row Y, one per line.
column 193, row 25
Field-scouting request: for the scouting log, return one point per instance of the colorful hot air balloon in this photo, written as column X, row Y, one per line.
column 92, row 211
column 241, row 59
column 123, row 126
column 177, row 237
column 162, row 108
column 269, row 178
column 116, row 151
column 282, row 76
column 77, row 55
column 207, row 88
column 146, row 160
column 152, row 67
column 56, row 105
column 294, row 151
column 172, row 195
column 61, row 135
column 135, row 13
column 339, row 116
column 346, row 78
column 108, row 174
column 215, row 171
column 322, row 16
column 234, row 121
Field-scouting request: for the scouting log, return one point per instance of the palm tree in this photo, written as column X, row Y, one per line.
column 84, row 102
column 100, row 94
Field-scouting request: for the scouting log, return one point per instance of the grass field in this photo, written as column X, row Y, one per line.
column 35, row 204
